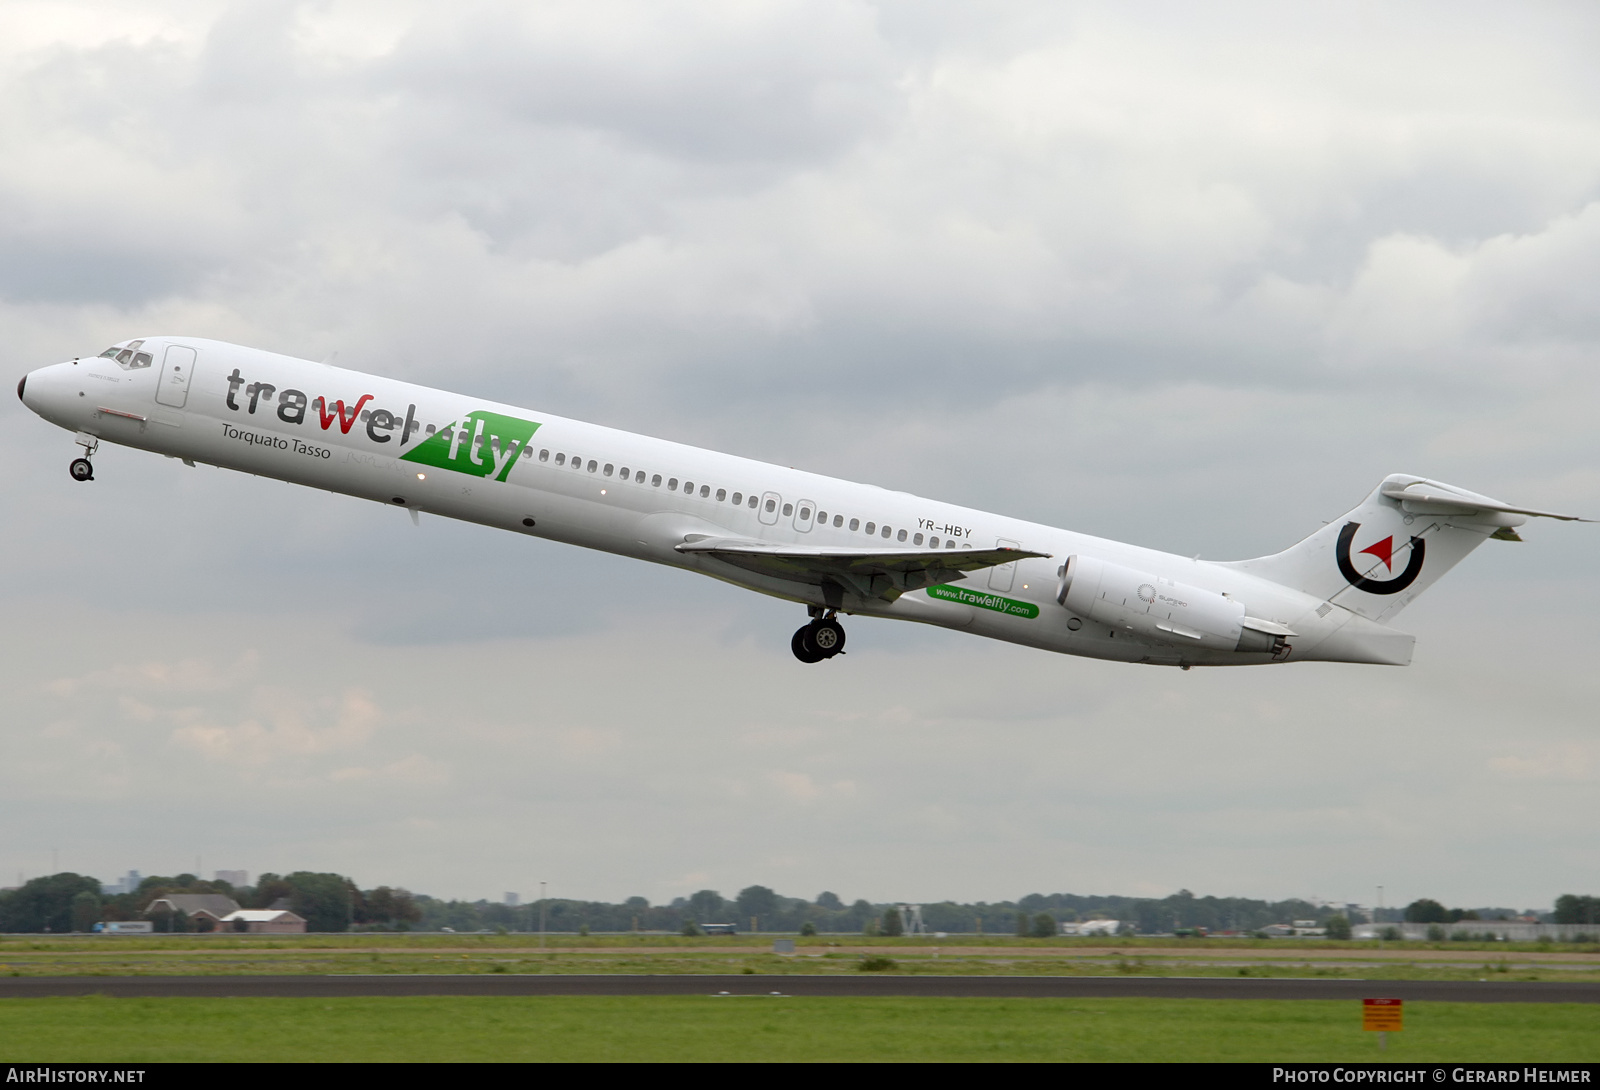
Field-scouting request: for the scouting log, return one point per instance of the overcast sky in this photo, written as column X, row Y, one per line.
column 1193, row 278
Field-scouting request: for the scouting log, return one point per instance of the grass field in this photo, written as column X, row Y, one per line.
column 519, row 953
column 778, row 1029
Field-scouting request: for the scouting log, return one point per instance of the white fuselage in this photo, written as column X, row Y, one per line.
column 345, row 431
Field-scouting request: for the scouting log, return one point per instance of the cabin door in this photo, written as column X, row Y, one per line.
column 770, row 503
column 1001, row 576
column 176, row 370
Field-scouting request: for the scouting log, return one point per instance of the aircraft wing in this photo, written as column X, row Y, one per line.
column 867, row 573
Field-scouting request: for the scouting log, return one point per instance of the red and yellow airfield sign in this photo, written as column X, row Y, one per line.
column 1383, row 1015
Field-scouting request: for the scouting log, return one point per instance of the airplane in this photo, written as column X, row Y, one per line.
column 836, row 547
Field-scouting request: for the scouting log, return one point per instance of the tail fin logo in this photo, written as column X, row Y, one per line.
column 1384, row 551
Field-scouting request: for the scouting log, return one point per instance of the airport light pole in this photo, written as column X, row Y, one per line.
column 541, row 915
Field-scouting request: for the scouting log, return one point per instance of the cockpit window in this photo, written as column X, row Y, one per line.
column 129, row 357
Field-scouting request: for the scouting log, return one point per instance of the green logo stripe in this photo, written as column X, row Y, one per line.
column 484, row 445
column 983, row 601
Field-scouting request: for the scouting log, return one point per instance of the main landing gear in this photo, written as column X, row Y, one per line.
column 81, row 468
column 822, row 639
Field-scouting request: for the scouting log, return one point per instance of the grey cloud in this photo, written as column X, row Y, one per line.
column 786, row 82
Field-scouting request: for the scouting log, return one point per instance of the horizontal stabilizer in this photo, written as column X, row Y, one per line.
column 866, row 573
column 1431, row 494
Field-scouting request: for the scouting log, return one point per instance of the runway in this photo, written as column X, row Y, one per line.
column 862, row 986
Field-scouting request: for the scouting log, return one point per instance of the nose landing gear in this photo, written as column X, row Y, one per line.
column 81, row 468
column 822, row 639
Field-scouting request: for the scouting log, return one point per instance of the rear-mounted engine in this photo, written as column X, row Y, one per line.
column 1161, row 609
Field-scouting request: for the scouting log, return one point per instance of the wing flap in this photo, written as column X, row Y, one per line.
column 867, row 573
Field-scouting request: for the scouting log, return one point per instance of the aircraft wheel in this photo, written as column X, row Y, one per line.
column 803, row 648
column 827, row 637
column 81, row 469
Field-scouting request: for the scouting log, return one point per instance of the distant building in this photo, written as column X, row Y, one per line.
column 1493, row 930
column 201, row 908
column 1305, row 929
column 1092, row 927
column 129, row 883
column 234, row 878
column 513, row 900
column 265, row 921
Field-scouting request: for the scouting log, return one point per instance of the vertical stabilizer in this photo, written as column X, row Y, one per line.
column 1378, row 557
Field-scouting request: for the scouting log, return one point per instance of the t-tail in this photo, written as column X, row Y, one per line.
column 1375, row 559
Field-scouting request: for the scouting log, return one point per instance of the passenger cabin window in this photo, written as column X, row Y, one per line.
column 855, row 524
column 950, row 544
column 872, row 528
column 688, row 488
column 933, row 543
column 738, row 498
column 805, row 514
column 593, row 465
column 672, row 485
column 838, row 520
column 610, row 469
column 885, row 532
column 772, row 505
column 722, row 495
column 655, row 482
column 916, row 540
column 705, row 491
column 561, row 459
column 753, row 502
column 527, row 452
column 544, row 456
column 624, row 473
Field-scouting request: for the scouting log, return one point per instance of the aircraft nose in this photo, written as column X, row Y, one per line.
column 44, row 391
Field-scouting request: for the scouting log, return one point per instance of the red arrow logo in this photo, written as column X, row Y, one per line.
column 1384, row 551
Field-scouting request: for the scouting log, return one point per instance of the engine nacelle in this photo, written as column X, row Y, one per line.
column 1159, row 609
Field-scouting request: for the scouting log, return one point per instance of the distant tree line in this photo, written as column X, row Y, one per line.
column 1570, row 908
column 328, row 902
column 332, row 902
column 1428, row 910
